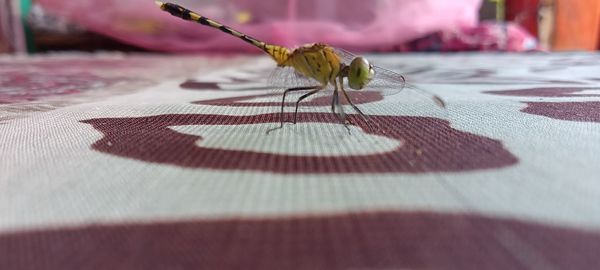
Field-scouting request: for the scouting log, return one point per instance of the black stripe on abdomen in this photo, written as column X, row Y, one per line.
column 204, row 21
column 225, row 29
column 186, row 15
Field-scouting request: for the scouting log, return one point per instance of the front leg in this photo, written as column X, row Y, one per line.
column 365, row 117
column 335, row 102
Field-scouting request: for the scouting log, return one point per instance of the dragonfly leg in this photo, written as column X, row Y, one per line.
column 303, row 97
column 365, row 117
column 283, row 103
column 335, row 102
column 342, row 116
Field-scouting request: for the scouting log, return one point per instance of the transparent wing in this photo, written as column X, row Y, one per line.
column 286, row 77
column 388, row 82
column 282, row 78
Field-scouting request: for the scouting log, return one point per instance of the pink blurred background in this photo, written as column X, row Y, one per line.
column 378, row 25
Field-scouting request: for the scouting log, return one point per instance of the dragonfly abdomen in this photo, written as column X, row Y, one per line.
column 278, row 53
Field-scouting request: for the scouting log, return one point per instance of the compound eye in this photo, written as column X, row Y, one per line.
column 360, row 73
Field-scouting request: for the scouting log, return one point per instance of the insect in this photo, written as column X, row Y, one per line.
column 318, row 65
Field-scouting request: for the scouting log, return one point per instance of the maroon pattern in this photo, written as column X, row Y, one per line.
column 431, row 145
column 322, row 100
column 22, row 86
column 475, row 76
column 546, row 92
column 232, row 80
column 23, row 81
column 570, row 111
column 81, row 64
column 196, row 85
column 377, row 240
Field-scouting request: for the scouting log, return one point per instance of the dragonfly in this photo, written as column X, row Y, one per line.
column 321, row 65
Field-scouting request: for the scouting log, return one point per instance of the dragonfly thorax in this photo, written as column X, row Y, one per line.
column 316, row 61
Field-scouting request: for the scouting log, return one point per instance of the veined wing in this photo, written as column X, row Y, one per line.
column 287, row 77
column 282, row 78
column 388, row 82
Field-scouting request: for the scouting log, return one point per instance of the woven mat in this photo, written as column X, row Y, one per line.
column 163, row 162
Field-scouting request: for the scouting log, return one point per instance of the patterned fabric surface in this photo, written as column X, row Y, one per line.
column 163, row 162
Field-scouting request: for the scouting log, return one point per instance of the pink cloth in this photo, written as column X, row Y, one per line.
column 487, row 36
column 352, row 24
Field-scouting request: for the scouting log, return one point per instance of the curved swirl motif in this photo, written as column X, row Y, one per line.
column 431, row 145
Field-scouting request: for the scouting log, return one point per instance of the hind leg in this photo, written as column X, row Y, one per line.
column 303, row 97
column 283, row 102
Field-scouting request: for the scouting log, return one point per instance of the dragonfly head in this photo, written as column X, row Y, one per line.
column 360, row 73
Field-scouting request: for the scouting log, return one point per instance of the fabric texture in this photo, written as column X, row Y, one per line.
column 163, row 162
